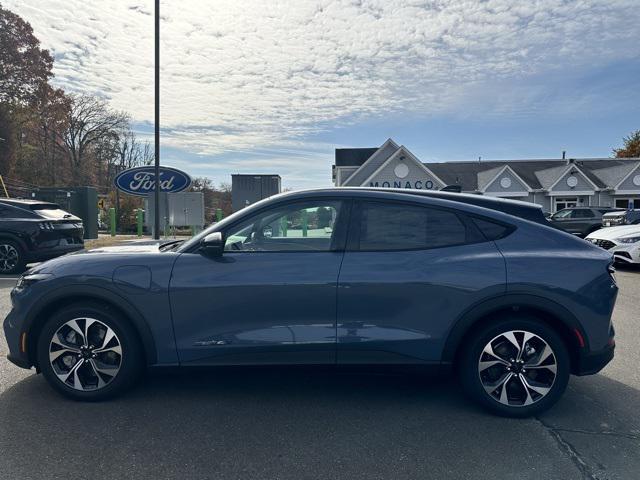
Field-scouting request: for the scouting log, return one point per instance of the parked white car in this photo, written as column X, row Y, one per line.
column 623, row 242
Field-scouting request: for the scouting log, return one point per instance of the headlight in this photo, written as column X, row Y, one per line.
column 25, row 280
column 632, row 239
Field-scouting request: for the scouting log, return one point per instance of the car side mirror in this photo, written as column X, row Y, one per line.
column 212, row 244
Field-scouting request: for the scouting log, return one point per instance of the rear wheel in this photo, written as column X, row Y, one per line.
column 11, row 257
column 515, row 367
column 89, row 352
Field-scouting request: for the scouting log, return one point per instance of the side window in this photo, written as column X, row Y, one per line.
column 583, row 213
column 409, row 227
column 492, row 230
column 307, row 226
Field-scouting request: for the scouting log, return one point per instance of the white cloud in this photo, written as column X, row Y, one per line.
column 239, row 74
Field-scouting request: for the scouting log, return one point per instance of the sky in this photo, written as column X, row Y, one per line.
column 275, row 86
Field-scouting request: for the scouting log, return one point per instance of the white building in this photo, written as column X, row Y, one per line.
column 554, row 184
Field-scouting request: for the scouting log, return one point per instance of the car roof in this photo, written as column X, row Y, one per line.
column 23, row 202
column 589, row 207
column 517, row 208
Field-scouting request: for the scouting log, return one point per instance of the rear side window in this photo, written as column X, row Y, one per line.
column 10, row 212
column 492, row 230
column 410, row 227
column 584, row 213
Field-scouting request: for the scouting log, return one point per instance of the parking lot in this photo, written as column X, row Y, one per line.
column 306, row 423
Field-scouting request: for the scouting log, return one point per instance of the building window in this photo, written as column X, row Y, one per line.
column 624, row 202
column 565, row 202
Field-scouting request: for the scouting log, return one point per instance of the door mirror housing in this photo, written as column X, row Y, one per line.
column 213, row 244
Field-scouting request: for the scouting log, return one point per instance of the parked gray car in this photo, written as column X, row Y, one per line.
column 580, row 221
column 332, row 277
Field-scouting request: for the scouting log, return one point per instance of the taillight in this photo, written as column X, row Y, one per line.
column 46, row 226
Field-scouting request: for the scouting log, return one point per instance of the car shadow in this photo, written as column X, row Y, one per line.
column 292, row 423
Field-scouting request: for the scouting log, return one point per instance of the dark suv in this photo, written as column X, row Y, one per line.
column 32, row 231
column 580, row 221
column 338, row 277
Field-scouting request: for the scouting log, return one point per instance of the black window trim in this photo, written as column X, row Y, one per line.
column 509, row 227
column 353, row 244
column 337, row 242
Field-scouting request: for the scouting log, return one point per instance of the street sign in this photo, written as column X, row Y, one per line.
column 140, row 180
column 101, row 204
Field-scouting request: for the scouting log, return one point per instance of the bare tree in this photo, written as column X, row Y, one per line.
column 131, row 152
column 90, row 121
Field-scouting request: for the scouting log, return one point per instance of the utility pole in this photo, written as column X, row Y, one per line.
column 156, row 189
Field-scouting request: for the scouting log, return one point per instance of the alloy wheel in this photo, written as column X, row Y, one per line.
column 9, row 257
column 85, row 354
column 517, row 368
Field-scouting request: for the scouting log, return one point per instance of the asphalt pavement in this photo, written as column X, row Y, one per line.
column 308, row 423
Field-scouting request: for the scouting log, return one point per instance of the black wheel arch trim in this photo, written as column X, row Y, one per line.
column 15, row 238
column 78, row 292
column 513, row 301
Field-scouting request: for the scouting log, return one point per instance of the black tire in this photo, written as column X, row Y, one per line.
column 470, row 356
column 130, row 362
column 19, row 266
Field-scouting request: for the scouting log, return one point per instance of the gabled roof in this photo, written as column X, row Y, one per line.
column 380, row 156
column 482, row 186
column 473, row 175
column 574, row 167
column 403, row 151
column 615, row 175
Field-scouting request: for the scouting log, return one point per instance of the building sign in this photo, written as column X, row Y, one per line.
column 418, row 184
column 141, row 181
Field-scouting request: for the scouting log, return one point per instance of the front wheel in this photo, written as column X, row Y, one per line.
column 515, row 367
column 89, row 352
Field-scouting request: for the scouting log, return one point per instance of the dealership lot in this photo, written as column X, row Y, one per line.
column 275, row 423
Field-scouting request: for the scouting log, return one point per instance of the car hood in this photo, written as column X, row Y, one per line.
column 101, row 261
column 611, row 233
column 146, row 248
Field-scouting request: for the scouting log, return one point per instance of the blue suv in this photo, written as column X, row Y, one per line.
column 339, row 277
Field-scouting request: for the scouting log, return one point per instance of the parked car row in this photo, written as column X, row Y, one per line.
column 614, row 229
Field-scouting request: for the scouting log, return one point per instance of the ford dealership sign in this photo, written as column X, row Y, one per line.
column 141, row 180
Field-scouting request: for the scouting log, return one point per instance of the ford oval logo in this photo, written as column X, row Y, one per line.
column 141, row 180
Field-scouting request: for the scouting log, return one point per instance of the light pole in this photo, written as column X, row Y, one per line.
column 156, row 192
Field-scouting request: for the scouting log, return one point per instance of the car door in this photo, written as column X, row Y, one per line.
column 582, row 221
column 409, row 272
column 565, row 220
column 271, row 296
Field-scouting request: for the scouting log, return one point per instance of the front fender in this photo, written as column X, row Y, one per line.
column 157, row 337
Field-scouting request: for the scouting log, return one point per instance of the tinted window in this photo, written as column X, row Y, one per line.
column 407, row 227
column 7, row 211
column 307, row 226
column 583, row 213
column 492, row 230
